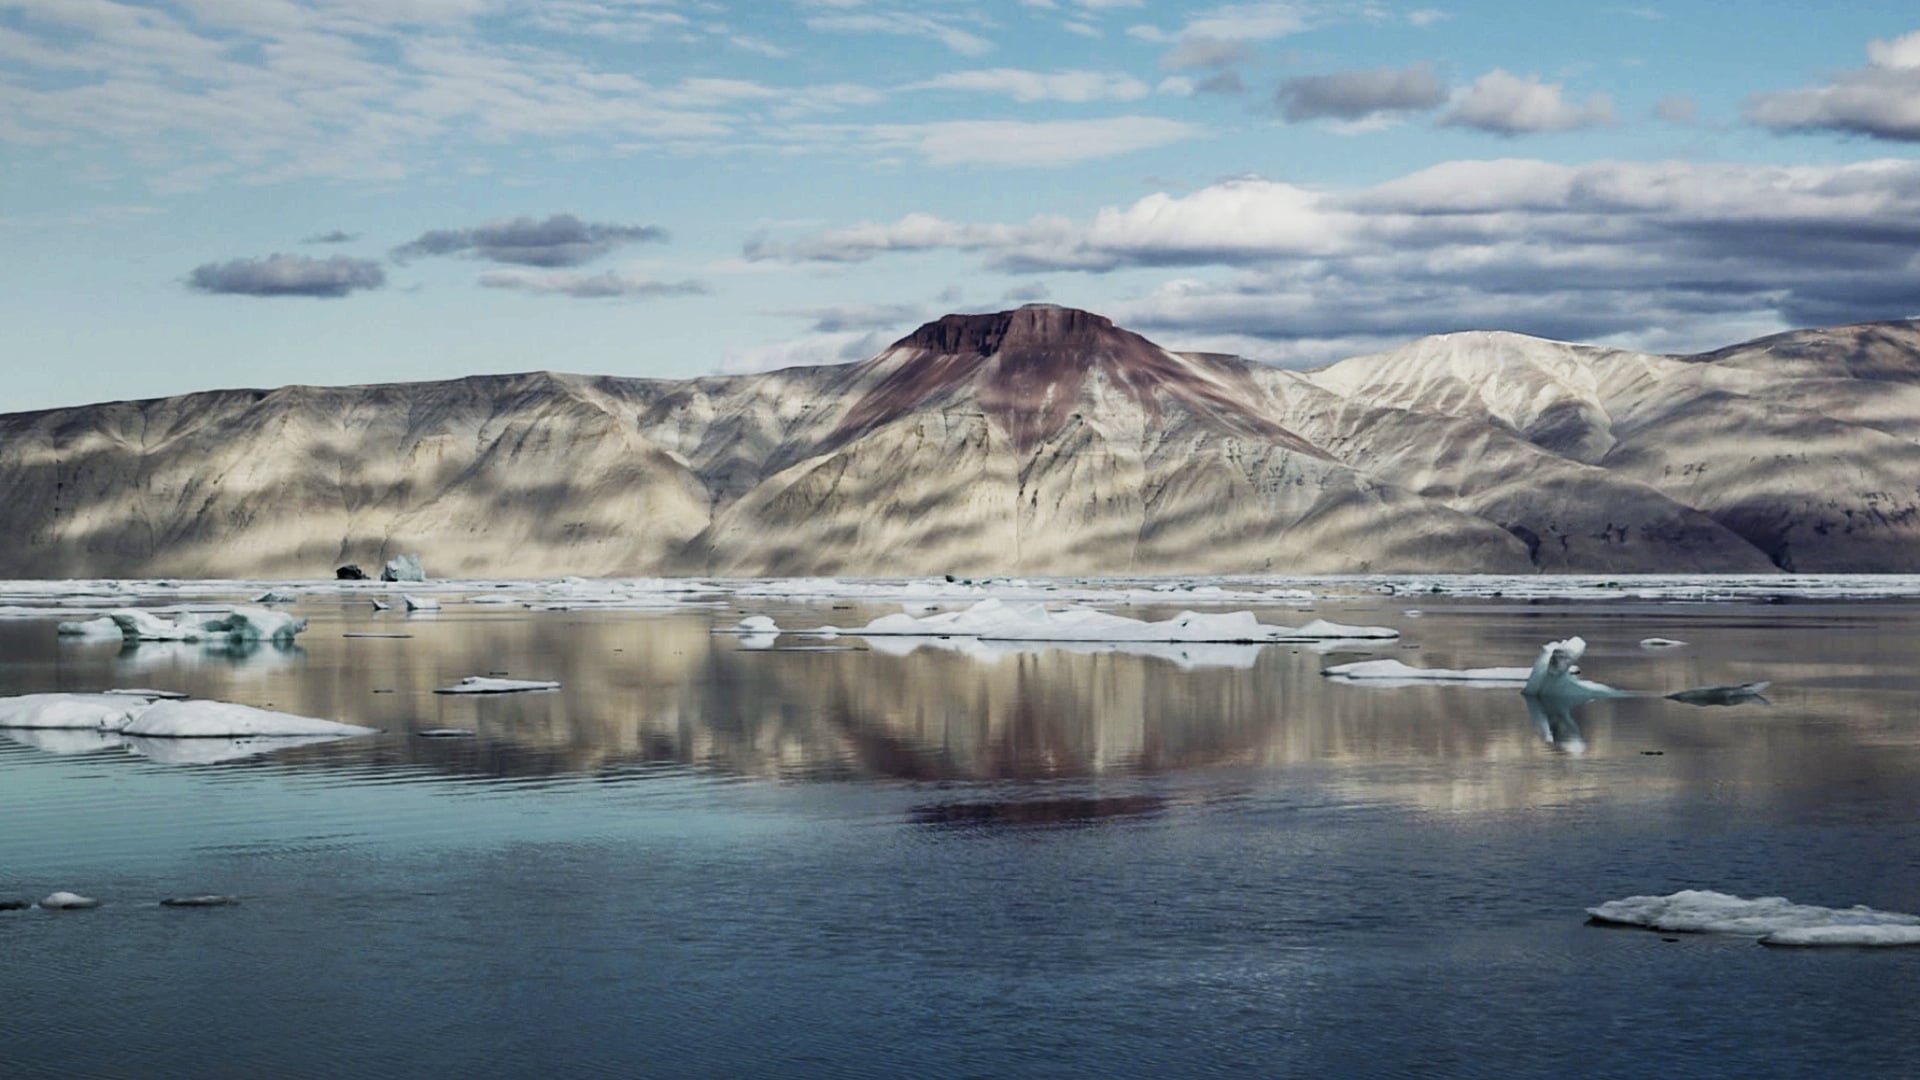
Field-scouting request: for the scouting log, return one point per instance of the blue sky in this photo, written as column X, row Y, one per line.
column 216, row 193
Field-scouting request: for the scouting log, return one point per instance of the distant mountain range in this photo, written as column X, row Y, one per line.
column 1042, row 440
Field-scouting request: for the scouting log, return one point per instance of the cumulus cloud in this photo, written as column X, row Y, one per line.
column 288, row 275
column 1608, row 250
column 1508, row 104
column 1880, row 101
column 606, row 285
column 1021, row 85
column 333, row 236
column 1357, row 95
column 560, row 240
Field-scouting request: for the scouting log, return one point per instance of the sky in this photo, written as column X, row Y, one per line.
column 224, row 193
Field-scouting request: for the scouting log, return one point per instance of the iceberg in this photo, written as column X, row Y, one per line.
column 998, row 620
column 67, row 901
column 223, row 719
column 82, row 712
column 403, row 568
column 1774, row 920
column 238, row 626
column 1556, row 673
column 101, row 628
column 480, row 684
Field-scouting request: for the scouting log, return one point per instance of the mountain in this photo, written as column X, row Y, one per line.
column 1042, row 440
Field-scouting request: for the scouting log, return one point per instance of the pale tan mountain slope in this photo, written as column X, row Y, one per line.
column 1803, row 444
column 514, row 471
column 1041, row 440
column 1046, row 440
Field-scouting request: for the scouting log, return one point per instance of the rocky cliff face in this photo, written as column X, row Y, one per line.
column 1042, row 440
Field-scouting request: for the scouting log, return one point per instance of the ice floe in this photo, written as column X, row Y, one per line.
column 240, row 625
column 65, row 741
column 225, row 719
column 215, row 750
column 420, row 603
column 202, row 900
column 84, row 712
column 101, row 628
column 1660, row 643
column 999, row 620
column 1555, row 675
column 1774, row 920
column 1393, row 673
column 67, row 901
column 480, row 684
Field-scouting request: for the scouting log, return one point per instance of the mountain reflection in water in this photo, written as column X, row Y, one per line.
column 643, row 690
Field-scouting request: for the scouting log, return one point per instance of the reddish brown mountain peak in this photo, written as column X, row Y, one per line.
column 1035, row 325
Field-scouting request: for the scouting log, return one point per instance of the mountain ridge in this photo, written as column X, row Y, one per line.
column 1036, row 440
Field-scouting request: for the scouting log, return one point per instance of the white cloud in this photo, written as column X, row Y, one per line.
column 1022, row 85
column 998, row 142
column 941, row 28
column 1881, row 100
column 1508, row 104
column 606, row 285
column 1577, row 252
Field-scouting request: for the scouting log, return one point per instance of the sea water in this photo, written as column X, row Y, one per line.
column 707, row 855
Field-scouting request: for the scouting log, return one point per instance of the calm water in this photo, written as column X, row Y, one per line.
column 701, row 858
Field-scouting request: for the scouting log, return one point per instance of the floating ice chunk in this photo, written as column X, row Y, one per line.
column 257, row 624
column 446, row 733
column 168, row 750
column 271, row 597
column 65, row 741
column 753, row 624
column 403, row 568
column 1555, row 673
column 86, row 712
column 223, row 719
column 1389, row 673
column 998, row 620
column 381, row 605
column 67, row 901
column 420, row 603
column 151, row 695
column 1845, row 936
column 480, row 684
column 1660, row 643
column 1774, row 920
column 203, row 900
column 138, row 625
column 96, row 629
